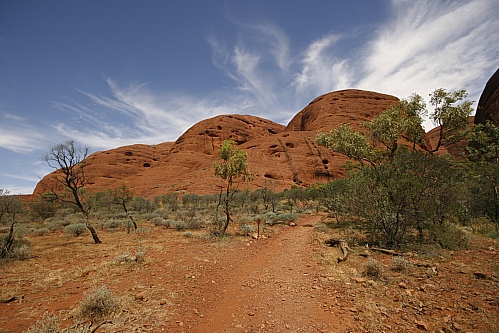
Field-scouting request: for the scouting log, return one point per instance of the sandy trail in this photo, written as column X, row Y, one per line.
column 273, row 288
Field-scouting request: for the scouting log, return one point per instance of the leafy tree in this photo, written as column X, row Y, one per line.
column 483, row 150
column 9, row 204
column 171, row 200
column 394, row 188
column 402, row 121
column 269, row 196
column 233, row 168
column 42, row 209
column 295, row 193
column 141, row 205
column 70, row 162
column 451, row 112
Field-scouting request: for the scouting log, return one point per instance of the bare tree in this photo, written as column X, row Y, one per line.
column 70, row 161
column 9, row 204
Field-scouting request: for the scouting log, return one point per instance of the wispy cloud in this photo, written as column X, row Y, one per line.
column 429, row 44
column 21, row 137
column 424, row 45
column 321, row 71
column 135, row 114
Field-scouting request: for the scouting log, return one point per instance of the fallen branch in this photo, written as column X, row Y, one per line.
column 343, row 244
column 8, row 300
column 386, row 251
column 103, row 323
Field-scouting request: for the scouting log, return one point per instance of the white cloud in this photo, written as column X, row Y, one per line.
column 135, row 114
column 423, row 46
column 321, row 71
column 22, row 138
column 433, row 44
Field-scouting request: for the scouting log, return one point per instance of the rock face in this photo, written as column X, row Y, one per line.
column 279, row 156
column 488, row 105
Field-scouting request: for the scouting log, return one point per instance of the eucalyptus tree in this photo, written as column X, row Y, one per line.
column 385, row 184
column 483, row 150
column 233, row 169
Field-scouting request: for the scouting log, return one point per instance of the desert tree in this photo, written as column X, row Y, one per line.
column 380, row 140
column 483, row 151
column 70, row 162
column 233, row 169
column 122, row 196
column 384, row 184
column 9, row 205
column 451, row 113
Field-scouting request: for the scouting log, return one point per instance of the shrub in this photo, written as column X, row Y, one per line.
column 161, row 222
column 98, row 304
column 179, row 225
column 400, row 264
column 127, row 258
column 247, row 229
column 41, row 232
column 187, row 234
column 450, row 237
column 76, row 229
column 139, row 256
column 372, row 268
column 141, row 231
column 57, row 225
column 273, row 218
column 193, row 224
column 20, row 248
column 112, row 224
column 482, row 225
column 50, row 324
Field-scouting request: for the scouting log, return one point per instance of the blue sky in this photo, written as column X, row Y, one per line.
column 113, row 73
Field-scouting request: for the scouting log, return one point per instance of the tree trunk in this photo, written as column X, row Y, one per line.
column 8, row 242
column 227, row 214
column 92, row 230
column 94, row 234
column 129, row 216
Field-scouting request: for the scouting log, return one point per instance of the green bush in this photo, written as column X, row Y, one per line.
column 247, row 229
column 142, row 231
column 56, row 225
column 372, row 268
column 193, row 224
column 273, row 218
column 76, row 229
column 179, row 225
column 113, row 224
column 161, row 222
column 40, row 231
column 450, row 237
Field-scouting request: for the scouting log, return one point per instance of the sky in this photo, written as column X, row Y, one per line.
column 119, row 72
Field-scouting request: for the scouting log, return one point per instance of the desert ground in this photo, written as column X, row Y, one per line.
column 286, row 281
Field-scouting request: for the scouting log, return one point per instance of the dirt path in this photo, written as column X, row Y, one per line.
column 289, row 282
column 274, row 287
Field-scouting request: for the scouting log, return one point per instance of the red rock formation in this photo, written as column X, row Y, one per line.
column 278, row 154
column 488, row 105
